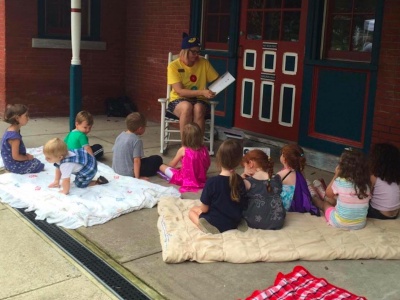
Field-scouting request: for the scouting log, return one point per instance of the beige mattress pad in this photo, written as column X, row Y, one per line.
column 303, row 237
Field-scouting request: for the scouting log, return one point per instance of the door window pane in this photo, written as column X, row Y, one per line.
column 349, row 30
column 340, row 33
column 216, row 24
column 276, row 20
column 273, row 4
column 272, row 24
column 364, row 6
column 212, row 35
column 360, row 36
column 254, row 25
column 291, row 26
column 342, row 6
column 292, row 4
column 254, row 4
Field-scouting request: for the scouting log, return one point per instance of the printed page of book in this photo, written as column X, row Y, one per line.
column 221, row 83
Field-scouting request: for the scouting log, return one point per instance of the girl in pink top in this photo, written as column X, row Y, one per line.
column 194, row 159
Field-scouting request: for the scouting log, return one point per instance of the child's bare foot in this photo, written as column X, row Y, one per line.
column 311, row 189
column 323, row 183
column 319, row 189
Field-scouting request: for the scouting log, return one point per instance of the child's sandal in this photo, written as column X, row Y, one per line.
column 101, row 180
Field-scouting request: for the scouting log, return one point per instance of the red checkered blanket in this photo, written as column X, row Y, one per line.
column 301, row 284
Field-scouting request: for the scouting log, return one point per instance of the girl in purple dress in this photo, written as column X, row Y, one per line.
column 194, row 159
column 13, row 151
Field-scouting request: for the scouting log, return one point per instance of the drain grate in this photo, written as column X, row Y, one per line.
column 91, row 262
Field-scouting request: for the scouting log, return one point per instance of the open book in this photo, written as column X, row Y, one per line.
column 221, row 83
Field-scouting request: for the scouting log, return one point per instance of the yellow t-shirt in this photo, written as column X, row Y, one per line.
column 192, row 78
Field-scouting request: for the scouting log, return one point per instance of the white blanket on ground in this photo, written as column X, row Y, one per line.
column 303, row 237
column 82, row 207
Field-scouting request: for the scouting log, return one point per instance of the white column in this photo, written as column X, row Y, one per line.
column 76, row 6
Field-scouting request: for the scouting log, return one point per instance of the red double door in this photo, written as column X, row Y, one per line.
column 270, row 67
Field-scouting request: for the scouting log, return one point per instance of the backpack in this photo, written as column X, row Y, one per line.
column 119, row 107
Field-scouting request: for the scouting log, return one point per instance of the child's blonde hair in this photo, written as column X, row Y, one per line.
column 135, row 120
column 294, row 156
column 13, row 111
column 55, row 148
column 229, row 156
column 192, row 136
column 83, row 116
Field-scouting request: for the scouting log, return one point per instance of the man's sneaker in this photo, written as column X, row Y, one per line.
column 319, row 189
column 311, row 189
column 207, row 227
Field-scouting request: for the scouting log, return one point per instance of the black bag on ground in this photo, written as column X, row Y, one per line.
column 119, row 107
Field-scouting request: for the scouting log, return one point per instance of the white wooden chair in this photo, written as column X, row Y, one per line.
column 170, row 133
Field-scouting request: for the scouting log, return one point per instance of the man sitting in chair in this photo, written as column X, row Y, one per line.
column 188, row 76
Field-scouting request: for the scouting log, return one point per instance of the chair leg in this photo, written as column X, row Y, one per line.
column 162, row 133
column 212, row 129
column 167, row 135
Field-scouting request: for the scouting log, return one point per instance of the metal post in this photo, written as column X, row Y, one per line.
column 75, row 77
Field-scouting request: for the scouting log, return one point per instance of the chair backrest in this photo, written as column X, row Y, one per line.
column 172, row 57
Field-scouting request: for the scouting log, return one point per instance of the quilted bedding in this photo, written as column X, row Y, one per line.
column 304, row 237
column 82, row 207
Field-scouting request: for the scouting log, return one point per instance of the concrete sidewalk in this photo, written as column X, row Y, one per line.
column 131, row 244
column 34, row 268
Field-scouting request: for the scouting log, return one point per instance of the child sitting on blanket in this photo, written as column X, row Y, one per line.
column 224, row 196
column 128, row 154
column 13, row 151
column 265, row 209
column 295, row 193
column 67, row 162
column 77, row 138
column 384, row 163
column 194, row 158
column 345, row 204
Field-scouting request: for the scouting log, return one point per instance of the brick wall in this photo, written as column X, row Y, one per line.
column 40, row 77
column 139, row 35
column 153, row 29
column 386, row 127
column 2, row 56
